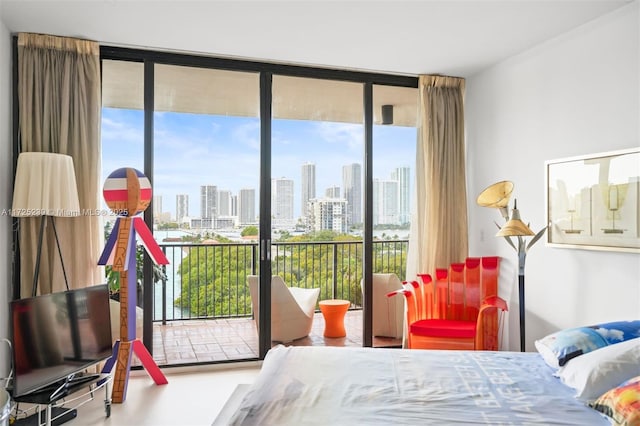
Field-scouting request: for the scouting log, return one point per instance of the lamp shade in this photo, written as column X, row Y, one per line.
column 514, row 227
column 45, row 185
column 496, row 195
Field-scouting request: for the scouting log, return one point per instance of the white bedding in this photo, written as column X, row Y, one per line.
column 365, row 386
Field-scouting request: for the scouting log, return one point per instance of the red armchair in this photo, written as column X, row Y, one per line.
column 459, row 310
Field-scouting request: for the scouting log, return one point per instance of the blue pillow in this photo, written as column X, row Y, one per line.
column 560, row 347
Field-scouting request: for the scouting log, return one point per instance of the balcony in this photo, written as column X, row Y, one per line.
column 219, row 340
column 202, row 311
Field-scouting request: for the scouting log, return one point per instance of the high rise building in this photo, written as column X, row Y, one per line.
column 352, row 186
column 308, row 186
column 332, row 192
column 224, row 203
column 157, row 207
column 247, row 206
column 327, row 214
column 208, row 201
column 403, row 176
column 385, row 202
column 282, row 201
column 182, row 207
column 234, row 205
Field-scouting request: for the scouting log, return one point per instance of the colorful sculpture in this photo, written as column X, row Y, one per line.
column 127, row 192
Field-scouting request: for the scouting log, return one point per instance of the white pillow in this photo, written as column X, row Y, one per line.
column 594, row 373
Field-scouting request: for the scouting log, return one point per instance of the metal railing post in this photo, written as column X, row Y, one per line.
column 254, row 258
column 335, row 271
column 164, row 297
column 164, row 289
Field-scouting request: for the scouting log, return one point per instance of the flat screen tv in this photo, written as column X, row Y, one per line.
column 58, row 335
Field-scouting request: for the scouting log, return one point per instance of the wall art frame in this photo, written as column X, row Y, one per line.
column 593, row 201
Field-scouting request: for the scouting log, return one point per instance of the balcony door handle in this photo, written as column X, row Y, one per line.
column 265, row 250
column 269, row 250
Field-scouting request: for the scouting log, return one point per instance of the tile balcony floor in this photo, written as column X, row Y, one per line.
column 195, row 341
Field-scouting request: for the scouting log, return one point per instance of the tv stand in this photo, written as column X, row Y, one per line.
column 62, row 388
column 47, row 410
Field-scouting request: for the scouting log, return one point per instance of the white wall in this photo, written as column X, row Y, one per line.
column 574, row 95
column 6, row 179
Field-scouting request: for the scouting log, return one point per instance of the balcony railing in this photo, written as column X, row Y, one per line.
column 206, row 281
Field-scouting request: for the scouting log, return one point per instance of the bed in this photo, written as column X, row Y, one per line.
column 367, row 386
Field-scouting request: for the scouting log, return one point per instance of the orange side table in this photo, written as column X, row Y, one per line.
column 333, row 311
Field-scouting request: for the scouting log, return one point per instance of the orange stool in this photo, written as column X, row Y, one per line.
column 333, row 311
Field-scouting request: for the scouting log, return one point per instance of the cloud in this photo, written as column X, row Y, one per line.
column 350, row 135
column 248, row 134
column 116, row 132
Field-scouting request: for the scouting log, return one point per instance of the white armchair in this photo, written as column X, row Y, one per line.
column 388, row 313
column 292, row 308
column 114, row 308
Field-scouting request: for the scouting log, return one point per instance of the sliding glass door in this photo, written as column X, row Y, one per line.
column 204, row 166
column 317, row 150
column 259, row 170
column 206, row 158
column 393, row 174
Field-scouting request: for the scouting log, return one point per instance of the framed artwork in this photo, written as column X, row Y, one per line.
column 593, row 201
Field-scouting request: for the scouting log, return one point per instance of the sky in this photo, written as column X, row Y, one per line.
column 197, row 149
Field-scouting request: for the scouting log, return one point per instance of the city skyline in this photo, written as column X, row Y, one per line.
column 191, row 150
column 390, row 201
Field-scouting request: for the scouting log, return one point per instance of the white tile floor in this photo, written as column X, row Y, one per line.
column 191, row 398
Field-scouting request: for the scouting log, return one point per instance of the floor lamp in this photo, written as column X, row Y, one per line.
column 45, row 186
column 497, row 196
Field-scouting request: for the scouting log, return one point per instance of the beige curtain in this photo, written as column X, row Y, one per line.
column 439, row 220
column 59, row 103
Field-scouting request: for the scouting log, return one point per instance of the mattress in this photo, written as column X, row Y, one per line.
column 368, row 386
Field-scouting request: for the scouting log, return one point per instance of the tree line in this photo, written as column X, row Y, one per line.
column 213, row 277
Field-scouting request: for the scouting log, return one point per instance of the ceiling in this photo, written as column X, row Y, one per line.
column 414, row 37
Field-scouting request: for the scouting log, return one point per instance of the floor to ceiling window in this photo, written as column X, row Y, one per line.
column 317, row 150
column 206, row 157
column 122, row 133
column 198, row 128
column 393, row 159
